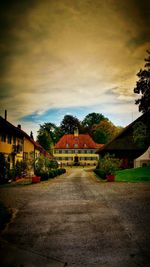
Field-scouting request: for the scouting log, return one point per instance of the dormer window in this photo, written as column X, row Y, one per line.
column 85, row 145
column 67, row 145
column 75, row 145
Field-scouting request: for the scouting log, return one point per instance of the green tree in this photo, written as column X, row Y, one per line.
column 91, row 120
column 69, row 124
column 105, row 131
column 140, row 134
column 48, row 135
column 44, row 139
column 143, row 86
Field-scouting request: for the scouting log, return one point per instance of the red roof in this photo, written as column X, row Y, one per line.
column 81, row 141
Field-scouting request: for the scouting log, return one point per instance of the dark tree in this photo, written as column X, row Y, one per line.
column 143, row 86
column 48, row 134
column 92, row 119
column 44, row 139
column 69, row 124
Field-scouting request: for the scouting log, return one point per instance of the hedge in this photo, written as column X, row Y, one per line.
column 45, row 175
column 100, row 173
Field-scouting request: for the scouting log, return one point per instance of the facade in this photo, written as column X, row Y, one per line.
column 76, row 149
column 16, row 145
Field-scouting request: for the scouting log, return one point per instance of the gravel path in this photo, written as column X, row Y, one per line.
column 76, row 220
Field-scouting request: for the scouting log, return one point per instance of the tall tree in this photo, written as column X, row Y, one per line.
column 44, row 139
column 48, row 135
column 91, row 120
column 143, row 86
column 69, row 124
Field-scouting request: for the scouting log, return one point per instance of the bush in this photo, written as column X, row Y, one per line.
column 100, row 173
column 45, row 175
column 109, row 164
column 4, row 169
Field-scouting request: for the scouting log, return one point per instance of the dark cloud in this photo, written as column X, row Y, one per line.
column 68, row 53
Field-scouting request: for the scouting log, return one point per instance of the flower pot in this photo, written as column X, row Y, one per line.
column 110, row 178
column 36, row 179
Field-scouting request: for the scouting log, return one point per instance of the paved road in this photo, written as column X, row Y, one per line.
column 75, row 220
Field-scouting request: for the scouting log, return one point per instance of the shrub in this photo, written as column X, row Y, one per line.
column 100, row 173
column 109, row 164
column 4, row 169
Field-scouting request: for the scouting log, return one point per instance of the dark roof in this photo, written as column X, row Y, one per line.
column 123, row 144
column 6, row 127
column 82, row 141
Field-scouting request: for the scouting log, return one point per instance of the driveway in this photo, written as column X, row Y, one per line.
column 76, row 220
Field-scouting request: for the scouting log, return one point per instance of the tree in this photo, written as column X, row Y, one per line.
column 48, row 135
column 69, row 124
column 92, row 119
column 44, row 139
column 143, row 86
column 140, row 134
column 105, row 131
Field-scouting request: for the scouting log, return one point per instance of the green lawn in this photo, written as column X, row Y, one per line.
column 133, row 175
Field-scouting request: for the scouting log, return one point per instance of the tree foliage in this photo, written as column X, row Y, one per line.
column 143, row 86
column 105, row 131
column 69, row 124
column 92, row 119
column 48, row 134
column 95, row 124
column 140, row 134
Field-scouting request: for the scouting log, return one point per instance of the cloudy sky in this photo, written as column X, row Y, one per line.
column 71, row 57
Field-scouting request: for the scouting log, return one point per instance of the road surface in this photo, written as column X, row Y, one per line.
column 75, row 220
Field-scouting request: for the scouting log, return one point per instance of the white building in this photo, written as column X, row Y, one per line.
column 143, row 160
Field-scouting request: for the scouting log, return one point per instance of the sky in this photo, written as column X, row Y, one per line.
column 73, row 57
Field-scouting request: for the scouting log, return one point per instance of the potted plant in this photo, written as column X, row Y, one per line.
column 109, row 164
column 36, row 179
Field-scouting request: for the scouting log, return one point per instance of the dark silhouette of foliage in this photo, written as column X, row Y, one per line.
column 69, row 124
column 92, row 119
column 143, row 86
column 48, row 134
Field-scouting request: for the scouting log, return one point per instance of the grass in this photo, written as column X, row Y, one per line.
column 133, row 175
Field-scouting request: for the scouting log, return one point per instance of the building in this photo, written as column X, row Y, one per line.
column 143, row 160
column 123, row 145
column 16, row 145
column 76, row 149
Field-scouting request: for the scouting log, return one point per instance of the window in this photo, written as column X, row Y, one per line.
column 25, row 155
column 85, row 145
column 9, row 138
column 70, row 158
column 3, row 138
column 67, row 145
column 60, row 151
column 75, row 145
column 76, row 151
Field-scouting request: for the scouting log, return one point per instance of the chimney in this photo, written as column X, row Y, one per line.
column 76, row 132
column 19, row 126
column 5, row 114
